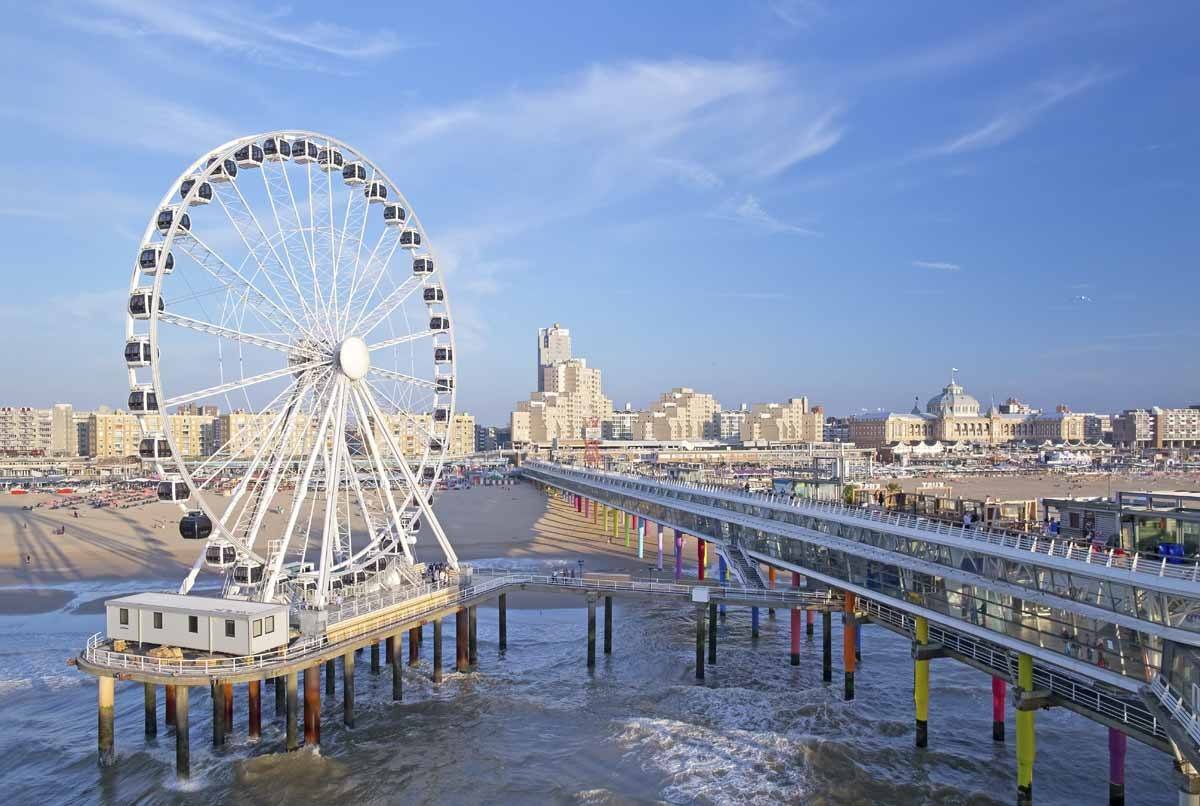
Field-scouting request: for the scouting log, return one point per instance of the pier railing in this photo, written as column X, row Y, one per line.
column 1175, row 705
column 423, row 602
column 983, row 653
column 1134, row 562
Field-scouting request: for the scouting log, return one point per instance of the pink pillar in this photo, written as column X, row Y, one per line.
column 998, row 690
column 795, row 624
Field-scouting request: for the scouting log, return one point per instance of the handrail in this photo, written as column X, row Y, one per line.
column 1174, row 703
column 421, row 606
column 1158, row 566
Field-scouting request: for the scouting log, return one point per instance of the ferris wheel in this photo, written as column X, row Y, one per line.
column 291, row 365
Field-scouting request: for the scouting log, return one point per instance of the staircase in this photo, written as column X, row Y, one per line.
column 745, row 569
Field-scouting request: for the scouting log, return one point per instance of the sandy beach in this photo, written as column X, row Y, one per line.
column 504, row 526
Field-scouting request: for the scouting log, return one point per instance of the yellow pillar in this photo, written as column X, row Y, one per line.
column 1026, row 746
column 104, row 734
column 921, row 684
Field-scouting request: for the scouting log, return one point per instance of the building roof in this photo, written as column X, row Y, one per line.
column 180, row 603
column 952, row 399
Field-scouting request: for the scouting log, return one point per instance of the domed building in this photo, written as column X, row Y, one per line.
column 955, row 417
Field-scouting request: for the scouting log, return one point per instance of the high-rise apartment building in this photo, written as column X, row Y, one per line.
column 118, row 434
column 1157, row 428
column 563, row 409
column 62, row 430
column 681, row 414
column 25, row 431
column 793, row 421
column 729, row 424
column 554, row 347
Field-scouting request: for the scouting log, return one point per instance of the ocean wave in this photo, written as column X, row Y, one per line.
column 701, row 764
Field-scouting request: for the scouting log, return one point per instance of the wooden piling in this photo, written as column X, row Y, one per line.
column 293, row 708
column 437, row 651
column 502, row 607
column 348, row 689
column 312, row 706
column 254, row 710
column 608, row 614
column 150, row 695
column 104, row 723
column 183, row 745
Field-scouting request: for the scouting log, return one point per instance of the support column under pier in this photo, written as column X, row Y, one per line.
column 472, row 638
column 712, row 633
column 771, row 585
column 348, row 689
column 218, row 716
column 389, row 653
column 753, row 622
column 183, row 746
column 397, row 670
column 169, row 715
column 374, row 657
column 280, row 696
column 591, row 630
column 254, row 710
column 414, row 646
column 998, row 693
column 312, row 706
column 150, row 695
column 107, row 687
column 809, row 617
column 701, row 610
column 228, row 709
column 437, row 651
column 608, row 608
column 293, row 711
column 460, row 640
column 502, row 617
column 1116, row 767
column 330, row 678
column 826, row 646
column 921, row 684
column 849, row 628
column 1026, row 747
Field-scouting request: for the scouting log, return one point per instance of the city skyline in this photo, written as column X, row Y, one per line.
column 992, row 190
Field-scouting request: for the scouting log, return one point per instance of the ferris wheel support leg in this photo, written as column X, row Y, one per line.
column 361, row 410
column 337, row 400
column 410, row 479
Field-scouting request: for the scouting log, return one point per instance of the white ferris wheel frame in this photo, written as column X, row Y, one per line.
column 343, row 393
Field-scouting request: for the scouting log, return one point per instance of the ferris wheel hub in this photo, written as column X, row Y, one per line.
column 353, row 358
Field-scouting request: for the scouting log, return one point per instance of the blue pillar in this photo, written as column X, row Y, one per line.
column 754, row 622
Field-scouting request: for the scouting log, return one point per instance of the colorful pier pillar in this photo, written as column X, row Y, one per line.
column 795, row 623
column 1026, row 745
column 921, row 684
column 701, row 557
column 849, row 628
column 595, row 511
column 998, row 691
column 658, row 530
column 810, row 617
column 754, row 622
column 628, row 519
column 771, row 585
column 1116, row 767
column 641, row 532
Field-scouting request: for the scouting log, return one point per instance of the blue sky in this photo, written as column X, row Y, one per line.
column 762, row 200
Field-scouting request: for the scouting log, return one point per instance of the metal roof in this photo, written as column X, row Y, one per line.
column 180, row 603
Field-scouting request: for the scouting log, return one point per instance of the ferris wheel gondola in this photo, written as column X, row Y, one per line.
column 291, row 313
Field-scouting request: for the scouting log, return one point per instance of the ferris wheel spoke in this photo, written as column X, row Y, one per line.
column 403, row 411
column 400, row 376
column 210, row 329
column 227, row 275
column 383, row 478
column 332, row 481
column 363, row 207
column 239, row 384
column 276, row 564
column 423, row 334
column 237, row 438
column 377, row 263
column 411, row 480
column 297, row 222
column 259, row 244
column 369, row 321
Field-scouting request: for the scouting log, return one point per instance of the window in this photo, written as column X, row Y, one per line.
column 257, row 627
column 158, row 621
column 229, row 630
column 193, row 624
column 270, row 624
column 124, row 616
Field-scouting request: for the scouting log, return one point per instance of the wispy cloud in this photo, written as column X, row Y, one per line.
column 937, row 265
column 672, row 119
column 1021, row 113
column 747, row 209
column 799, row 14
column 274, row 38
